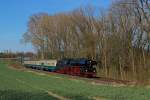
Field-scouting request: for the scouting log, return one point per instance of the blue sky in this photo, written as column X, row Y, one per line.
column 14, row 15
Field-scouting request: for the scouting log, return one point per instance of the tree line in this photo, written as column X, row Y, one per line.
column 119, row 39
column 9, row 54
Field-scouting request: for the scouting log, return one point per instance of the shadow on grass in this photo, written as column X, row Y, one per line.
column 22, row 95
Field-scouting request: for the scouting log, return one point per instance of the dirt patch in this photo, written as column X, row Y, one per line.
column 59, row 78
column 148, row 86
column 99, row 98
column 16, row 66
column 37, row 73
column 57, row 96
column 100, row 83
column 112, row 82
column 75, row 80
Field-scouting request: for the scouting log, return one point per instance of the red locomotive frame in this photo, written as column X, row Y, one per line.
column 80, row 67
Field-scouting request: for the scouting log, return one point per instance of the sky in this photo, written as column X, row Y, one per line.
column 14, row 16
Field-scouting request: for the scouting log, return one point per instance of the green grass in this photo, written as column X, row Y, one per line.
column 23, row 85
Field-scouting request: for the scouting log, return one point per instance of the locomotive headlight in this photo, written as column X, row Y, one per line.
column 94, row 66
column 86, row 70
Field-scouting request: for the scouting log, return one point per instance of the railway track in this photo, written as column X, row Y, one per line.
column 93, row 80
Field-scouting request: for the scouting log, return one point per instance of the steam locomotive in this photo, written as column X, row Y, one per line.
column 77, row 67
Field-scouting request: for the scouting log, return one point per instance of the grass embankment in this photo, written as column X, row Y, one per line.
column 28, row 85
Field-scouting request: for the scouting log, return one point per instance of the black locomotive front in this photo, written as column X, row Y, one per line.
column 78, row 66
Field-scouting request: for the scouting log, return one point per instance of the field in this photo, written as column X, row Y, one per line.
column 30, row 85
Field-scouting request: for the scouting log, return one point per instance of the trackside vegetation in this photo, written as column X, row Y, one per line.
column 30, row 85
